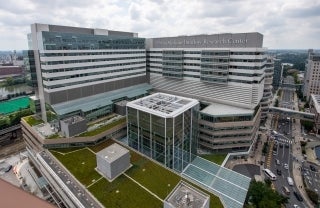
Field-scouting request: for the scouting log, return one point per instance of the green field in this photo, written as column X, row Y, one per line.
column 124, row 191
column 13, row 105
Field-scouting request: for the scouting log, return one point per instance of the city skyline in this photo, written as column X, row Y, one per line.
column 284, row 24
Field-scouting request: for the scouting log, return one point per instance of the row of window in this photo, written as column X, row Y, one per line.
column 91, row 67
column 88, row 53
column 176, row 68
column 93, row 73
column 212, row 143
column 225, row 135
column 225, row 128
column 198, row 65
column 212, row 60
column 89, row 60
column 92, row 80
column 255, row 53
column 223, row 79
column 214, row 119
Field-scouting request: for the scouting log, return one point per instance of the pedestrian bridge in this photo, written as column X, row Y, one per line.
column 292, row 113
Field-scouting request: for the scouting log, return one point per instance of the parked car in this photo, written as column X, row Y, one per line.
column 277, row 162
column 8, row 168
column 298, row 196
column 279, row 172
column 286, row 166
column 313, row 168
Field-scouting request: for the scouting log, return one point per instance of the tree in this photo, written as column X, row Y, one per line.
column 262, row 196
column 9, row 81
column 312, row 195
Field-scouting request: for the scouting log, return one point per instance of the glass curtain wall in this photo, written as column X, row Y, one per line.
column 170, row 141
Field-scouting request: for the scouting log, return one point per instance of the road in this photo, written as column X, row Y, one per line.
column 283, row 148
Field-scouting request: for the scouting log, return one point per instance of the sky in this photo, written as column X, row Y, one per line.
column 285, row 24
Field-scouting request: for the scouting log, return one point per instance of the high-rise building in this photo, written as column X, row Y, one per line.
column 267, row 91
column 312, row 75
column 207, row 93
column 277, row 73
column 80, row 74
column 226, row 72
column 73, row 63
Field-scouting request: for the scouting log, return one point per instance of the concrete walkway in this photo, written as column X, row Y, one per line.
column 296, row 152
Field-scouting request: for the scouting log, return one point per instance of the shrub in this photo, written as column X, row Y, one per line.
column 312, row 195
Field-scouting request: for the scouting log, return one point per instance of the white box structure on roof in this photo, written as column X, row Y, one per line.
column 113, row 160
column 164, row 105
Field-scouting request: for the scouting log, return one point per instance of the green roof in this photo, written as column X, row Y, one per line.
column 97, row 101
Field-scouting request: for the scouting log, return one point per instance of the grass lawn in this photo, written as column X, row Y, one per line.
column 32, row 121
column 81, row 164
column 123, row 192
column 102, row 128
column 152, row 176
column 216, row 158
column 53, row 136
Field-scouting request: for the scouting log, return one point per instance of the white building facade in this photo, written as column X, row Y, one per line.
column 72, row 62
column 226, row 69
column 312, row 75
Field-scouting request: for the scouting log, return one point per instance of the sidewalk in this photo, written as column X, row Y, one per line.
column 296, row 152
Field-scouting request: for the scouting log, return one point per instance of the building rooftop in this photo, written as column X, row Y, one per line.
column 316, row 101
column 230, row 186
column 164, row 105
column 217, row 109
column 73, row 120
column 184, row 195
column 12, row 196
column 113, row 152
column 96, row 101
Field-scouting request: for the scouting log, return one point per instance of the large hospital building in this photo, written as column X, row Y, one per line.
column 171, row 97
column 225, row 72
column 85, row 72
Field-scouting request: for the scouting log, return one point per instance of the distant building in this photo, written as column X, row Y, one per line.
column 11, row 71
column 164, row 127
column 312, row 75
column 315, row 108
column 277, row 74
column 267, row 91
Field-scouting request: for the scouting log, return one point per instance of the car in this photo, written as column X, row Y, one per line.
column 298, row 196
column 296, row 206
column 286, row 166
column 280, row 145
column 279, row 172
column 287, row 145
column 8, row 168
column 313, row 168
column 277, row 162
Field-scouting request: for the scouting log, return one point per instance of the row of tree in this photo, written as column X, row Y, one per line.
column 13, row 118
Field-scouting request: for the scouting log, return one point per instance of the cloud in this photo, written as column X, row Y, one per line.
column 285, row 24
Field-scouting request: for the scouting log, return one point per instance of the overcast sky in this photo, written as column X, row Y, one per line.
column 292, row 24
